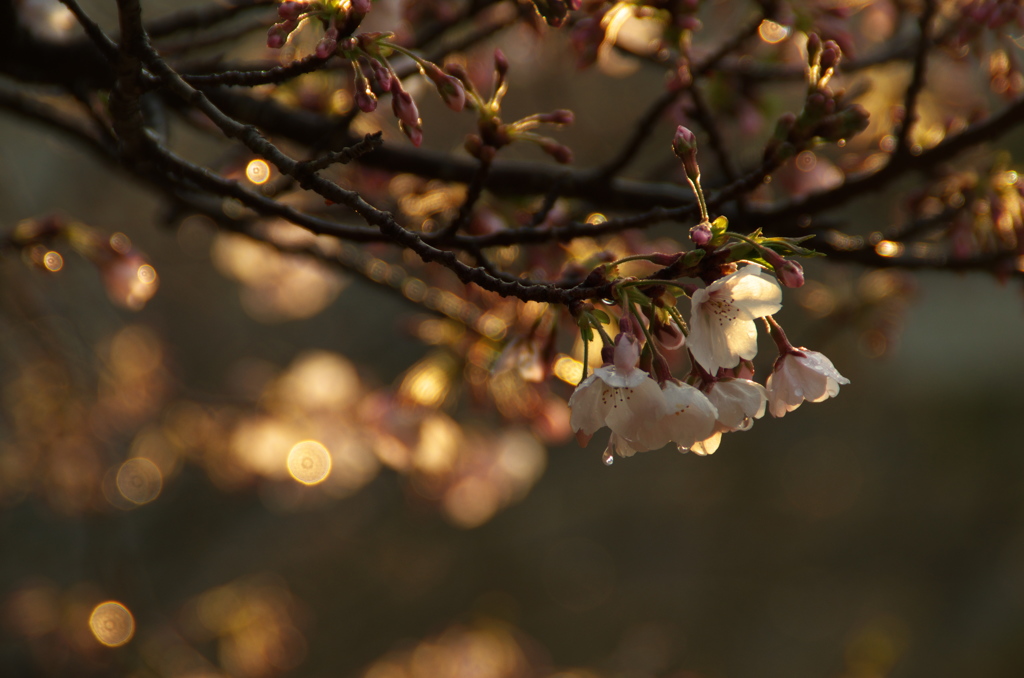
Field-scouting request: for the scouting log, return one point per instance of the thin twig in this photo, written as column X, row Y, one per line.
column 917, row 79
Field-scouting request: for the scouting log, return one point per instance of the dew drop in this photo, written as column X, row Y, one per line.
column 746, row 423
column 608, row 458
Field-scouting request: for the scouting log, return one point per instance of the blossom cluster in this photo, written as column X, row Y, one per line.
column 647, row 409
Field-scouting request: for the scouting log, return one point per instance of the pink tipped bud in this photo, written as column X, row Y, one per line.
column 790, row 273
column 701, row 234
column 813, row 47
column 500, row 62
column 559, row 117
column 414, row 132
column 684, row 144
column 290, row 10
column 327, row 44
column 450, row 88
column 366, row 100
column 279, row 32
column 382, row 75
column 403, row 106
column 361, row 6
column 453, row 93
column 626, row 353
column 561, row 154
column 830, row 55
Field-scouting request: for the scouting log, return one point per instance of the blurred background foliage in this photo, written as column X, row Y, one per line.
column 270, row 469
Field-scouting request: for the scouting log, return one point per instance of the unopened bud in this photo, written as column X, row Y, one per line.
column 402, row 104
column 500, row 63
column 360, row 6
column 290, row 10
column 830, row 55
column 561, row 153
column 684, row 144
column 366, row 100
column 559, row 117
column 279, row 32
column 449, row 87
column 701, row 234
column 327, row 44
column 626, row 353
column 813, row 49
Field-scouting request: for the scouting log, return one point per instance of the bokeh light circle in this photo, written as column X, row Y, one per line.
column 309, row 462
column 139, row 480
column 112, row 624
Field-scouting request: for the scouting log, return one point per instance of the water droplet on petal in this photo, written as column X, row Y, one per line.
column 746, row 423
column 608, row 458
column 682, row 448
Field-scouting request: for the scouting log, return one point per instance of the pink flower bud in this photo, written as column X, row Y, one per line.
column 361, row 6
column 279, row 32
column 684, row 144
column 449, row 87
column 403, row 106
column 562, row 154
column 561, row 117
column 627, row 352
column 290, row 10
column 790, row 274
column 500, row 63
column 414, row 132
column 327, row 44
column 830, row 55
column 366, row 100
column 701, row 234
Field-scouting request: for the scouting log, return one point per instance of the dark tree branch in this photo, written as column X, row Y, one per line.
column 916, row 80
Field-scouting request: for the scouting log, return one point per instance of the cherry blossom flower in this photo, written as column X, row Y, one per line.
column 722, row 315
column 687, row 419
column 738, row 401
column 801, row 375
column 707, row 446
column 620, row 396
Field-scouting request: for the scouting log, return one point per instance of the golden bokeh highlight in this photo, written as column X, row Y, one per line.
column 139, row 480
column 889, row 248
column 309, row 462
column 257, row 171
column 277, row 287
column 53, row 261
column 112, row 624
column 568, row 369
column 772, row 32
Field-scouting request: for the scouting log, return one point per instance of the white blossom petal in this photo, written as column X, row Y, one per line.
column 706, row 446
column 739, row 402
column 588, row 405
column 804, row 375
column 722, row 330
column 688, row 417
